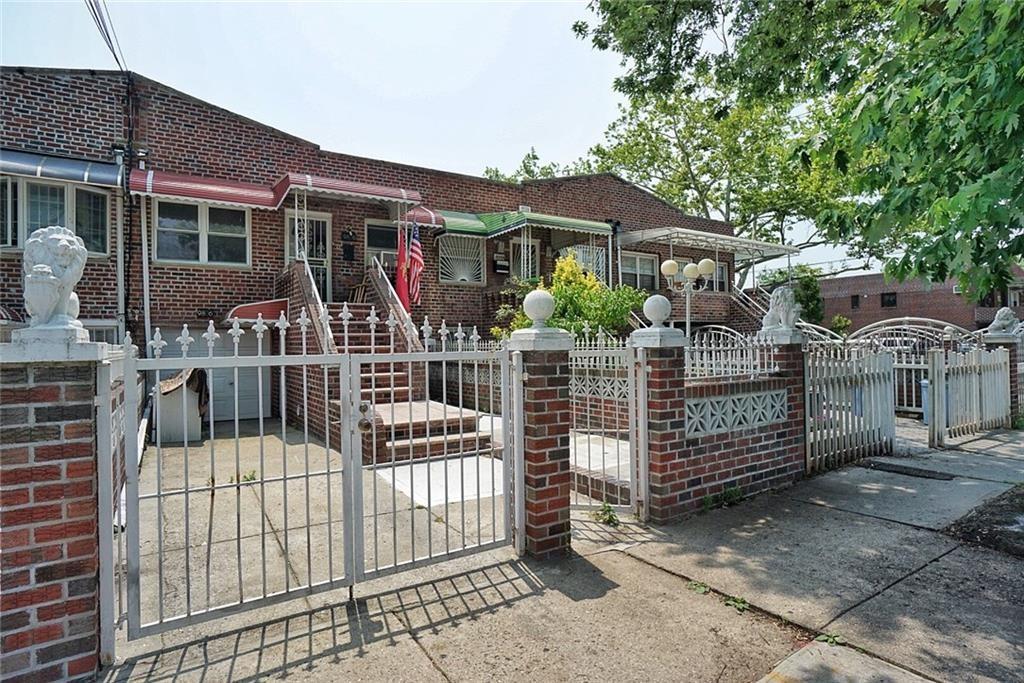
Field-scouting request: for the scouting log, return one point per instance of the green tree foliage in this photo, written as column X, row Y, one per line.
column 531, row 168
column 840, row 324
column 581, row 300
column 924, row 101
column 806, row 288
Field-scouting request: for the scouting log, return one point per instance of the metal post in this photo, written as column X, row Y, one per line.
column 131, row 464
column 105, row 499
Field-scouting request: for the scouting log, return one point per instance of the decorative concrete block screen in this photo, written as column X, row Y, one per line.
column 718, row 414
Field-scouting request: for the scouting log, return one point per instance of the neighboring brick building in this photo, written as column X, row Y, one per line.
column 866, row 299
column 216, row 194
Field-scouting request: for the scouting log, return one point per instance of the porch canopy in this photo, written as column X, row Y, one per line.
column 495, row 224
column 742, row 248
column 175, row 186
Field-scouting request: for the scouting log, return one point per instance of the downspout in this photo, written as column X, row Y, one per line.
column 125, row 238
column 145, row 270
column 121, row 322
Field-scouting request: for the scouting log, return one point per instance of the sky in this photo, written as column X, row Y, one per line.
column 458, row 86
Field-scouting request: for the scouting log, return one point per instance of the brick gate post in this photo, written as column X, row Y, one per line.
column 49, row 528
column 546, row 419
column 666, row 363
column 1013, row 344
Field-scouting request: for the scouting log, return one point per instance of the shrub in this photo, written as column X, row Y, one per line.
column 840, row 324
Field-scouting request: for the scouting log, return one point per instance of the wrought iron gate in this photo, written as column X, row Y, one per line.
column 608, row 437
column 368, row 467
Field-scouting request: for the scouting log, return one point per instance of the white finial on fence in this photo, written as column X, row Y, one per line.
column 211, row 338
column 185, row 340
column 427, row 330
column 475, row 339
column 158, row 343
column 325, row 320
column 460, row 337
column 443, row 333
column 391, row 322
column 346, row 314
column 236, row 332
column 259, row 327
column 303, row 319
column 372, row 317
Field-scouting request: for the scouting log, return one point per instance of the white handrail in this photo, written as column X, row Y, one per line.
column 328, row 339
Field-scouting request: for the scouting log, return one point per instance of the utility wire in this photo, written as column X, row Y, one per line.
column 101, row 17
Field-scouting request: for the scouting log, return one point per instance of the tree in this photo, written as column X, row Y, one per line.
column 531, row 168
column 581, row 302
column 840, row 324
column 924, row 101
column 806, row 289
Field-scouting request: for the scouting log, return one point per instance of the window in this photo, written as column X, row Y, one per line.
column 721, row 283
column 8, row 212
column 460, row 259
column 200, row 233
column 640, row 271
column 27, row 205
column 591, row 259
column 889, row 300
column 531, row 268
column 854, row 301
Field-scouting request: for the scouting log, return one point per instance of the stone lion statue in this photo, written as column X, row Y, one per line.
column 1005, row 322
column 53, row 263
column 783, row 311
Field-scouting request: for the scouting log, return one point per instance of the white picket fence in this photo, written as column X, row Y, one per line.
column 968, row 393
column 850, row 406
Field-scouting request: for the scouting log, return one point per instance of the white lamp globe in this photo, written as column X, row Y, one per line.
column 691, row 271
column 657, row 309
column 706, row 267
column 538, row 306
column 669, row 268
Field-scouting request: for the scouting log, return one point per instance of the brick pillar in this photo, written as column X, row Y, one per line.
column 546, row 419
column 1013, row 345
column 49, row 603
column 666, row 416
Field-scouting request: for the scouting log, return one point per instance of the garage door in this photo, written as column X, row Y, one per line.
column 223, row 384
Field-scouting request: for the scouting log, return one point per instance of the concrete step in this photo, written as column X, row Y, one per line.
column 436, row 446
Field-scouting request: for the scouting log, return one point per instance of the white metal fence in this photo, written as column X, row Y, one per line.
column 357, row 472
column 608, row 435
column 717, row 351
column 850, row 412
column 968, row 393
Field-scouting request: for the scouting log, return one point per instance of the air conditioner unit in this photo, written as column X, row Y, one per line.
column 957, row 290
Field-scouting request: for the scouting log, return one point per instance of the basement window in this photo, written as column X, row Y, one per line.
column 200, row 233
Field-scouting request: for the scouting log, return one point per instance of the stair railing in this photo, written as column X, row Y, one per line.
column 324, row 335
column 386, row 291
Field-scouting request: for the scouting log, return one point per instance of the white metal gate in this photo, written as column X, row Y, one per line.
column 608, row 435
column 968, row 393
column 366, row 469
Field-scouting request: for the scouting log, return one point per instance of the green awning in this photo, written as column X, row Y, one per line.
column 501, row 222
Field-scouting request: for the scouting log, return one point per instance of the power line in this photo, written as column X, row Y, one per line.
column 105, row 26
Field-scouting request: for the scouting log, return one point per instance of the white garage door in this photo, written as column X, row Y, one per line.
column 223, row 384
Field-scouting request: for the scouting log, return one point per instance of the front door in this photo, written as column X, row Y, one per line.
column 317, row 242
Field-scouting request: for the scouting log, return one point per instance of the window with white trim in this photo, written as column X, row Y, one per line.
column 721, row 281
column 201, row 233
column 591, row 259
column 27, row 205
column 460, row 259
column 531, row 268
column 640, row 271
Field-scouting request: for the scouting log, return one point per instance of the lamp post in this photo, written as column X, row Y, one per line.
column 687, row 282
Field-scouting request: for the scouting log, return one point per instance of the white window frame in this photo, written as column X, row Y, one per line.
column 482, row 243
column 535, row 245
column 637, row 255
column 719, row 267
column 22, row 184
column 204, row 228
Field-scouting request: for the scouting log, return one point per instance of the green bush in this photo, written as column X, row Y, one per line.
column 840, row 324
column 581, row 301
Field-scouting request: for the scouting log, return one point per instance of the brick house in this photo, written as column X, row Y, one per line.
column 869, row 298
column 115, row 155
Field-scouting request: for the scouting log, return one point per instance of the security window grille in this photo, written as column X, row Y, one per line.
column 460, row 259
column 591, row 259
column 640, row 271
column 529, row 269
column 27, row 205
column 889, row 300
column 854, row 301
column 199, row 233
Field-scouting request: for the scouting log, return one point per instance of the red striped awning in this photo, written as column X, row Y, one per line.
column 160, row 184
column 345, row 188
column 422, row 216
column 174, row 186
column 9, row 315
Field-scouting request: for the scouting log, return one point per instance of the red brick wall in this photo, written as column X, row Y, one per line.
column 41, row 111
column 914, row 298
column 48, row 522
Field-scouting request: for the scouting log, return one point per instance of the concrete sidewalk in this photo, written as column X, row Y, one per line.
column 857, row 553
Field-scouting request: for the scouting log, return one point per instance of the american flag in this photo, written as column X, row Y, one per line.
column 415, row 264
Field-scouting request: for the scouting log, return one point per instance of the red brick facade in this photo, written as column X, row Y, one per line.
column 48, row 523
column 84, row 114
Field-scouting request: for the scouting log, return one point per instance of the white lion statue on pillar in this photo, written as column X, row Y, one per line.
column 783, row 311
column 53, row 264
column 1005, row 322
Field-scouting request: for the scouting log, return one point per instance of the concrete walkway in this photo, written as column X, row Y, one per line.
column 735, row 594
